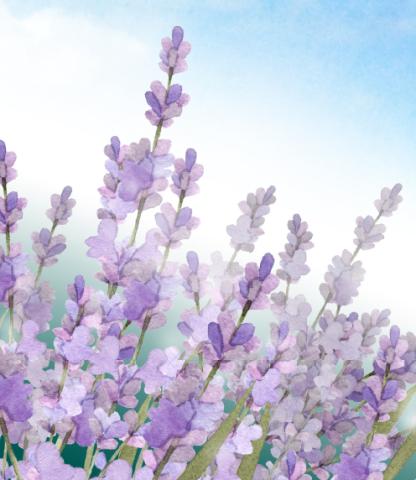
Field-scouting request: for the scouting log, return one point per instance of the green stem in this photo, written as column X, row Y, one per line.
column 9, row 447
column 89, row 456
column 137, row 221
column 164, row 461
column 145, row 326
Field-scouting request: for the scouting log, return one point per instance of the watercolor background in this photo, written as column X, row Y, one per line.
column 315, row 97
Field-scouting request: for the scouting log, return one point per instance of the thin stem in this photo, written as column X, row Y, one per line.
column 4, row 463
column 211, row 375
column 164, row 461
column 11, row 318
column 9, row 447
column 137, row 221
column 321, row 311
column 287, row 290
column 41, row 264
column 89, row 456
column 145, row 326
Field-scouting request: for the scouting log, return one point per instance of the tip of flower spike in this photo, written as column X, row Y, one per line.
column 177, row 36
column 66, row 193
column 266, row 266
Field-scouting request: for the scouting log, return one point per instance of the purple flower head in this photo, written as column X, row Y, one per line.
column 258, row 282
column 44, row 462
column 389, row 200
column 293, row 259
column 187, row 173
column 47, row 247
column 165, row 104
column 247, row 229
column 135, row 178
column 61, row 206
column 11, row 211
column 14, row 397
column 174, row 226
column 174, row 51
column 140, row 297
column 168, row 421
column 342, row 279
column 79, row 287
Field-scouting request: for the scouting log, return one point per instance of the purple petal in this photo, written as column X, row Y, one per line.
column 153, row 103
column 11, row 202
column 174, row 94
column 56, row 250
column 215, row 336
column 193, row 261
column 115, row 145
column 177, row 36
column 243, row 334
column 390, row 389
column 2, row 151
column 369, row 396
column 183, row 217
column 291, row 462
column 66, row 193
column 283, row 330
column 394, row 335
column 45, row 236
column 190, row 159
column 266, row 266
column 79, row 285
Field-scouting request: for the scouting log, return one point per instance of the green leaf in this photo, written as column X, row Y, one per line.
column 401, row 457
column 249, row 462
column 197, row 466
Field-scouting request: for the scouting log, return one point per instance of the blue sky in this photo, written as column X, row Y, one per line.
column 317, row 98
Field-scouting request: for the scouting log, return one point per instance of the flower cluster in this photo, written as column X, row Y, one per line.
column 211, row 409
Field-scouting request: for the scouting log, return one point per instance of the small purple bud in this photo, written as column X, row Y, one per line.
column 283, row 330
column 296, row 221
column 396, row 189
column 79, row 285
column 291, row 462
column 183, row 217
column 266, row 266
column 114, row 330
column 269, row 194
column 243, row 334
column 216, row 338
column 153, row 103
column 66, row 193
column 243, row 288
column 394, row 335
column 177, row 36
column 193, row 261
column 390, row 389
column 352, row 317
column 45, row 236
column 190, row 159
column 115, row 145
column 174, row 94
column 11, row 201
column 2, row 151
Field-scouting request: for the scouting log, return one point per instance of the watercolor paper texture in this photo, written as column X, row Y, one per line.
column 226, row 288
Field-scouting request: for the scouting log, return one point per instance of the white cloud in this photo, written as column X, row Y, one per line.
column 68, row 83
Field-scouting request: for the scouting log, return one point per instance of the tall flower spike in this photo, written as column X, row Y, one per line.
column 293, row 259
column 247, row 229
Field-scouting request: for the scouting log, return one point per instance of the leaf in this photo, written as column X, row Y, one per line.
column 197, row 466
column 249, row 462
column 401, row 457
